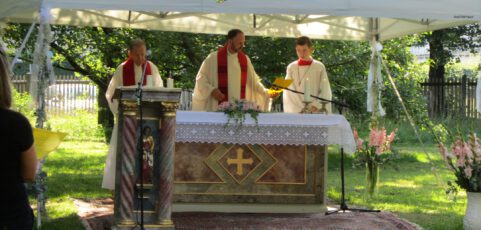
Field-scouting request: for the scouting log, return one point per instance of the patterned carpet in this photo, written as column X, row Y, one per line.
column 97, row 215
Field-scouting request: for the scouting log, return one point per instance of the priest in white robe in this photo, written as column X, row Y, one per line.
column 129, row 73
column 310, row 77
column 228, row 75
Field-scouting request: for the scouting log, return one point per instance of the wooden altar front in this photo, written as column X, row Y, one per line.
column 158, row 128
column 278, row 166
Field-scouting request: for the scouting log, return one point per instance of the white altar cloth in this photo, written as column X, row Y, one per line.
column 274, row 129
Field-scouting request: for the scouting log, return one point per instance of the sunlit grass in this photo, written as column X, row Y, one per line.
column 413, row 192
column 79, row 126
column 75, row 171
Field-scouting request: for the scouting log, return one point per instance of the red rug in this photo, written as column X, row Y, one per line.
column 97, row 215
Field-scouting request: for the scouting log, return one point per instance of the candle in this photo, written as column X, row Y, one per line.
column 307, row 91
column 150, row 80
column 170, row 82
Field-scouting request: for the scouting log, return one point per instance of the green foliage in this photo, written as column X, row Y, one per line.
column 237, row 111
column 22, row 103
column 79, row 126
column 347, row 64
column 95, row 52
column 457, row 70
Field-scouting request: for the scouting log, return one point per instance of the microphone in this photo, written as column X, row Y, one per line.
column 146, row 62
column 141, row 82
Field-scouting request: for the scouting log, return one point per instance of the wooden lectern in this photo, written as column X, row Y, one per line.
column 158, row 112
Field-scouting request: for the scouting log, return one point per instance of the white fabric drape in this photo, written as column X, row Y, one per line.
column 374, row 80
column 42, row 71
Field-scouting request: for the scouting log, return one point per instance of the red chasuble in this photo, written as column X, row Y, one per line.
column 222, row 72
column 302, row 62
column 128, row 72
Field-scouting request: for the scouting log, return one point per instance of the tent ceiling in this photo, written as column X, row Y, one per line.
column 338, row 20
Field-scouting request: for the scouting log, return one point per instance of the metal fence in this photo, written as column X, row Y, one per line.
column 69, row 93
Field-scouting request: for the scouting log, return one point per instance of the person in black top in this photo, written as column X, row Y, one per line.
column 18, row 158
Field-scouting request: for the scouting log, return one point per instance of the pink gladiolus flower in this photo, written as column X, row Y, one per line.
column 392, row 135
column 381, row 137
column 461, row 162
column 356, row 135
column 359, row 143
column 224, row 105
column 468, row 171
column 373, row 137
column 467, row 151
column 457, row 150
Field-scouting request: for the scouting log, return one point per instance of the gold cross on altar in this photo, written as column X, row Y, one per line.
column 240, row 161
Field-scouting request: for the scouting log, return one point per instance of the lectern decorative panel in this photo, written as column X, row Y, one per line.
column 158, row 114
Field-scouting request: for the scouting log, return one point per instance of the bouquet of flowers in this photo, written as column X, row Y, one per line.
column 464, row 159
column 237, row 111
column 372, row 154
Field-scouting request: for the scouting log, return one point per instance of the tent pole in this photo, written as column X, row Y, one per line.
column 22, row 46
column 374, row 23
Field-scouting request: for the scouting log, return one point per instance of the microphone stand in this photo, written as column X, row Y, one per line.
column 340, row 104
column 343, row 206
column 140, row 144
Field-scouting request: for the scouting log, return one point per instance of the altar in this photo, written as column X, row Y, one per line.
column 276, row 165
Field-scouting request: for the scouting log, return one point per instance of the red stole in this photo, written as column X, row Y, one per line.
column 222, row 72
column 128, row 72
column 302, row 62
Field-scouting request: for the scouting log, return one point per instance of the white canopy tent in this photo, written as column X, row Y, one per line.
column 371, row 20
column 322, row 19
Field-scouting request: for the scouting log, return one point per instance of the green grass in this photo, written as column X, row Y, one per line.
column 79, row 126
column 412, row 193
column 75, row 171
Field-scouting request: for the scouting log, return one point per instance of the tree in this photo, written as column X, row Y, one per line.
column 95, row 52
column 442, row 44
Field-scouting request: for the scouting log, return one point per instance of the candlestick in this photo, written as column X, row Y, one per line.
column 307, row 91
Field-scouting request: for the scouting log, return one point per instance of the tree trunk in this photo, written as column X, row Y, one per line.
column 105, row 116
column 438, row 57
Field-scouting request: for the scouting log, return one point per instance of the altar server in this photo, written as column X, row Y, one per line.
column 227, row 75
column 309, row 76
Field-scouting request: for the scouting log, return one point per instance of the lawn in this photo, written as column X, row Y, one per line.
column 75, row 171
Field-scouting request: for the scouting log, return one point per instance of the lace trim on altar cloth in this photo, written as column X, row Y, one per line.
column 289, row 129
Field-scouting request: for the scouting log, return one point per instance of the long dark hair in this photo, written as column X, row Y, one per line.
column 5, row 90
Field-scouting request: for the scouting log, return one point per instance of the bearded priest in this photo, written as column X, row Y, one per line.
column 227, row 75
